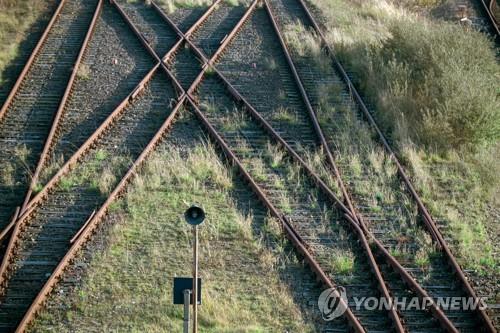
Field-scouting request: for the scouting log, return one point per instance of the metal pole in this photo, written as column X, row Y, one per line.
column 187, row 298
column 195, row 279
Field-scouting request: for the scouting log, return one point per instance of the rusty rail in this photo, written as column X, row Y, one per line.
column 86, row 231
column 31, row 60
column 490, row 13
column 317, row 128
column 428, row 220
column 62, row 105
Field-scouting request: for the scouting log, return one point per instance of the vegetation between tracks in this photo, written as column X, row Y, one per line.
column 128, row 285
column 435, row 90
column 16, row 17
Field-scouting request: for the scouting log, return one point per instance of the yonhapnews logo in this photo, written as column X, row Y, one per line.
column 332, row 303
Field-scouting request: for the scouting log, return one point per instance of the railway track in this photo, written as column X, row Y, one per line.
column 115, row 62
column 394, row 221
column 438, row 281
column 41, row 244
column 44, row 241
column 28, row 112
column 57, row 221
column 463, row 320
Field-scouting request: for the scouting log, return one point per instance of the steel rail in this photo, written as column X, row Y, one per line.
column 428, row 220
column 438, row 313
column 31, row 60
column 62, row 105
column 491, row 16
column 356, row 217
column 118, row 110
column 86, row 232
column 16, row 224
column 317, row 128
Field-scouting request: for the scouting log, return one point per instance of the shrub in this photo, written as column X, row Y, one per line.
column 434, row 82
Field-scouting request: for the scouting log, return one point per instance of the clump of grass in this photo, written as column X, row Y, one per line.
column 281, row 94
column 83, row 72
column 97, row 172
column 7, row 174
column 210, row 71
column 232, row 3
column 22, row 152
column 285, row 115
column 258, row 170
column 275, row 155
column 209, row 106
column 343, row 263
column 305, row 43
column 100, row 155
column 270, row 64
column 331, row 92
column 172, row 5
column 285, row 205
column 422, row 259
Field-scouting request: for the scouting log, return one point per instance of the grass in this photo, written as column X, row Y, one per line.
column 434, row 90
column 7, row 174
column 285, row 115
column 16, row 17
column 343, row 263
column 127, row 286
column 98, row 172
column 83, row 72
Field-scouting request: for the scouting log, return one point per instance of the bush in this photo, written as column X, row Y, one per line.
column 434, row 82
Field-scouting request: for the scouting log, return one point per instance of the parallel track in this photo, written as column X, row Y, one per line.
column 35, row 259
column 390, row 223
column 27, row 115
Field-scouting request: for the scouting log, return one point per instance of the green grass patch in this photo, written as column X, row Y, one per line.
column 127, row 286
